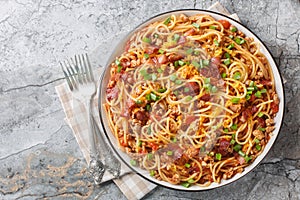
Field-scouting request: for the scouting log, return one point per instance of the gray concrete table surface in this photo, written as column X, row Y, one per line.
column 39, row 156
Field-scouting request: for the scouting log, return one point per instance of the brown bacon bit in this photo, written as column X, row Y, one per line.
column 142, row 116
column 130, row 104
column 215, row 60
column 224, row 146
column 254, row 109
column 193, row 88
column 182, row 40
column 112, row 93
column 174, row 57
column 152, row 49
column 194, row 169
column 162, row 59
column 274, row 107
column 246, row 114
column 266, row 82
column 261, row 122
column 241, row 160
column 205, row 97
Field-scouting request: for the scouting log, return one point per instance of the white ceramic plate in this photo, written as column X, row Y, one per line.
column 118, row 51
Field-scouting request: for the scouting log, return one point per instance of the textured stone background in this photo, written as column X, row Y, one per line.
column 39, row 157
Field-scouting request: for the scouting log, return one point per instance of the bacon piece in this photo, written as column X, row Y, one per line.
column 162, row 59
column 142, row 116
column 190, row 32
column 241, row 160
column 261, row 122
column 266, row 82
column 254, row 109
column 224, row 146
column 112, row 93
column 182, row 40
column 190, row 118
column 274, row 107
column 174, row 57
column 130, row 104
column 151, row 49
column 246, row 114
column 193, row 88
column 215, row 60
column 205, row 97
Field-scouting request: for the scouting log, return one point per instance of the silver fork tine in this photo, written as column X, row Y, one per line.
column 89, row 68
column 72, row 74
column 86, row 70
column 67, row 77
column 83, row 68
column 79, row 70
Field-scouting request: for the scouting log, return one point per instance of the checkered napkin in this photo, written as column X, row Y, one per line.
column 132, row 185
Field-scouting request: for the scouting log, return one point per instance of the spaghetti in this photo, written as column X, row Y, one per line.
column 191, row 99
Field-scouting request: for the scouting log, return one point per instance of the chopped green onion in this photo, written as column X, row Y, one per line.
column 232, row 141
column 230, row 46
column 133, row 162
column 187, row 165
column 230, row 36
column 174, row 139
column 233, row 29
column 191, row 180
column 148, row 107
column 225, row 130
column 152, row 173
column 189, row 51
column 233, row 136
column 146, row 55
column 252, row 84
column 250, row 89
column 154, row 77
column 178, row 82
column 185, row 184
column 195, row 25
column 207, row 80
column 256, row 141
column 176, row 37
column 154, row 97
column 237, row 75
column 173, row 77
column 181, row 63
column 147, row 40
column 117, row 62
column 156, row 35
column 205, row 62
column 237, row 147
column 161, row 51
column 139, row 101
column 248, row 158
column 159, row 70
column 249, row 92
column 148, row 97
column 216, row 43
column 214, row 89
column 260, row 114
column 119, row 68
column 235, row 100
column 176, row 63
column 261, row 129
column 169, row 153
column 167, row 21
column 241, row 153
column 186, row 89
column 212, row 27
column 258, row 147
column 176, row 93
column 258, row 94
column 218, row 156
column 234, row 127
column 227, row 61
column 224, row 75
column 239, row 40
column 202, row 149
column 188, row 98
column 196, row 64
column 139, row 143
column 196, row 53
column 227, row 55
column 248, row 97
column 162, row 90
column 263, row 91
column 149, row 156
column 143, row 72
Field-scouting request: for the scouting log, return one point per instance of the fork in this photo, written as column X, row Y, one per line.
column 80, row 79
